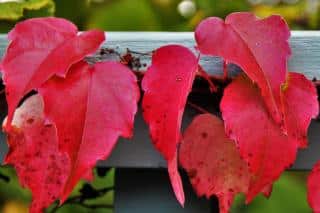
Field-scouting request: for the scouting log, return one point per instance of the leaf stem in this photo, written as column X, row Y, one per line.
column 198, row 108
column 225, row 70
column 203, row 74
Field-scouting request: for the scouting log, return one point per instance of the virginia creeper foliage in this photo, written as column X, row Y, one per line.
column 259, row 46
column 40, row 48
column 57, row 136
column 33, row 150
column 163, row 104
column 263, row 150
column 93, row 127
column 212, row 161
column 300, row 105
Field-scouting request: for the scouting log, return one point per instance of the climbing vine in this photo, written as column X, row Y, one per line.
column 85, row 97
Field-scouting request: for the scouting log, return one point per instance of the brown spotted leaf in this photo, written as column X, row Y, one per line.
column 261, row 142
column 212, row 161
column 34, row 153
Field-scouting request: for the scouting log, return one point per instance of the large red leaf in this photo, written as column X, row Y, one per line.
column 262, row 144
column 314, row 188
column 212, row 161
column 167, row 84
column 91, row 108
column 33, row 151
column 40, row 48
column 259, row 46
column 299, row 105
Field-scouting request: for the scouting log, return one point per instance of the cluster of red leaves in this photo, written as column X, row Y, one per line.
column 279, row 103
column 56, row 137
column 85, row 107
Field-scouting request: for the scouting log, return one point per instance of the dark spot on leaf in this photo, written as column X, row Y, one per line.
column 30, row 120
column 38, row 154
column 192, row 173
column 201, row 163
column 204, row 135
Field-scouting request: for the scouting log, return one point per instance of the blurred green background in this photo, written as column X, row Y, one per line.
column 157, row 15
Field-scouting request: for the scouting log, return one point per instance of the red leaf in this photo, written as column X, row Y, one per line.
column 266, row 191
column 212, row 161
column 299, row 105
column 314, row 188
column 259, row 46
column 262, row 144
column 35, row 155
column 40, row 48
column 175, row 179
column 91, row 108
column 167, row 84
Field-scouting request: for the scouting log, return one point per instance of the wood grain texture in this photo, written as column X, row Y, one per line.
column 139, row 152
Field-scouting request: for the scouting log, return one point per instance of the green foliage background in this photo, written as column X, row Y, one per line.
column 159, row 15
column 154, row 15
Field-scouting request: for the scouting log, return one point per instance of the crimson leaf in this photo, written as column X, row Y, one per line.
column 91, row 108
column 167, row 84
column 266, row 149
column 40, row 48
column 212, row 161
column 314, row 188
column 33, row 151
column 259, row 46
column 299, row 105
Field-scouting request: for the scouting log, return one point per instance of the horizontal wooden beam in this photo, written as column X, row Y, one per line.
column 305, row 48
column 139, row 152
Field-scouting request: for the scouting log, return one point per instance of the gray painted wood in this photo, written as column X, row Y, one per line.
column 305, row 48
column 139, row 152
